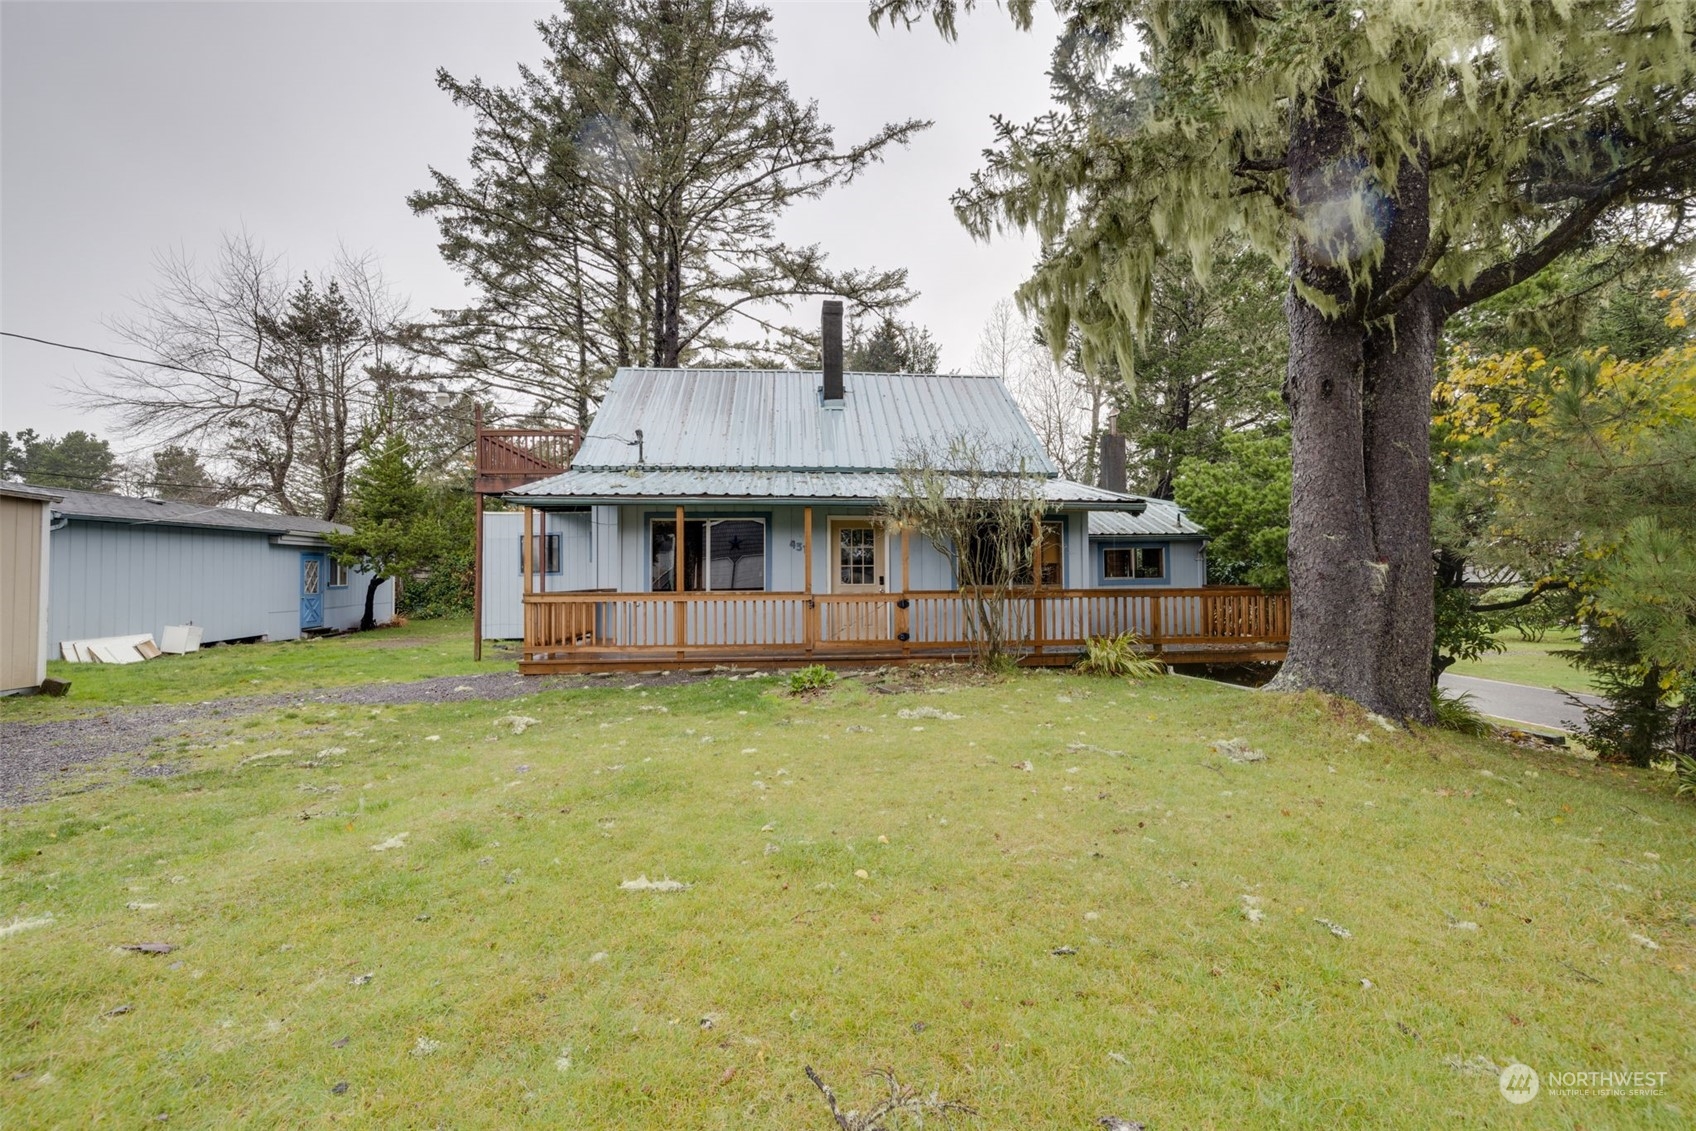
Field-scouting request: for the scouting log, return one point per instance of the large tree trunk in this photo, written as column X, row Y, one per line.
column 369, row 620
column 1359, row 394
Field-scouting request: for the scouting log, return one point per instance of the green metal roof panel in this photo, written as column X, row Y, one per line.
column 1160, row 518
column 759, row 419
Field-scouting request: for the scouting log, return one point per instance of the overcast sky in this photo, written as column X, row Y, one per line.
column 127, row 129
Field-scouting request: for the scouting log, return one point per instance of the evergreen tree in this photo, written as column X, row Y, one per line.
column 891, row 346
column 1405, row 162
column 394, row 532
column 177, row 473
column 79, row 461
column 623, row 203
column 1242, row 500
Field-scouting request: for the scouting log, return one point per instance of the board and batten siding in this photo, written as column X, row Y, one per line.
column 23, row 592
column 113, row 579
column 503, row 576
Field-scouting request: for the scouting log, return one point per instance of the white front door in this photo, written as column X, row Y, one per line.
column 857, row 557
column 856, row 569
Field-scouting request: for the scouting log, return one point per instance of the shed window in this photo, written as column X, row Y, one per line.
column 1133, row 563
column 338, row 574
column 551, row 548
column 719, row 555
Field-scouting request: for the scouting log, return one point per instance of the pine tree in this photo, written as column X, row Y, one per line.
column 393, row 532
column 624, row 197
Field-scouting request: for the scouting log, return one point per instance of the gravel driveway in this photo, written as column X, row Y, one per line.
column 32, row 754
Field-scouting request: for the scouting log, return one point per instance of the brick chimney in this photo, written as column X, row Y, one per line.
column 832, row 327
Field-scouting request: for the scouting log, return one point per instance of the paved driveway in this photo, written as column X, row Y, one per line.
column 1516, row 702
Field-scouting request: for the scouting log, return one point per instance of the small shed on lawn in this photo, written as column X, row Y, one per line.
column 121, row 565
column 25, row 513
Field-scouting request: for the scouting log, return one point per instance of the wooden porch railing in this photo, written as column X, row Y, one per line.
column 590, row 629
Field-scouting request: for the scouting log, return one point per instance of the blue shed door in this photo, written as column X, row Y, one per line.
column 313, row 570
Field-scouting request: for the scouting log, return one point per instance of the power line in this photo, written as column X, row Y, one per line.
column 113, row 356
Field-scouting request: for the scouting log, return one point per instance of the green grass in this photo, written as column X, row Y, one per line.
column 417, row 650
column 498, row 936
column 1534, row 664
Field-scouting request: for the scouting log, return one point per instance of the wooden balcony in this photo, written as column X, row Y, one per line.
column 571, row 632
column 511, row 457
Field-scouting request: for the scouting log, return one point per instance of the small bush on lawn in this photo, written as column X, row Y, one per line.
column 1458, row 714
column 1118, row 656
column 816, row 677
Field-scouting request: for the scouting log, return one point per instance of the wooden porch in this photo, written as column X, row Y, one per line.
column 576, row 632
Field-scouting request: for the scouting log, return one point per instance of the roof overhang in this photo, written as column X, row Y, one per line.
column 706, row 487
column 33, row 494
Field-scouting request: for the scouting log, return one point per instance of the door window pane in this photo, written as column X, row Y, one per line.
column 857, row 555
column 309, row 579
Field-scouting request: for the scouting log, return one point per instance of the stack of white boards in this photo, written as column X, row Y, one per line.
column 111, row 649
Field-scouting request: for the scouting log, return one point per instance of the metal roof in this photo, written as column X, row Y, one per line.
column 101, row 507
column 581, row 486
column 763, row 419
column 1160, row 517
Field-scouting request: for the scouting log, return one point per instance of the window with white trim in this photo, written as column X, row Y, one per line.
column 338, row 574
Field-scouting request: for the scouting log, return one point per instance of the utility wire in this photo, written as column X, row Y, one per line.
column 113, row 356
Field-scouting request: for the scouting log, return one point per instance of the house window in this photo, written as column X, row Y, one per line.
column 983, row 549
column 549, row 548
column 1133, row 563
column 338, row 574
column 719, row 555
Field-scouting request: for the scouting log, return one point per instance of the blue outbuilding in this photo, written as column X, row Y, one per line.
column 120, row 565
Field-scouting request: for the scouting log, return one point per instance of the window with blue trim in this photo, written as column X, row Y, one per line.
column 551, row 549
column 719, row 555
column 1133, row 563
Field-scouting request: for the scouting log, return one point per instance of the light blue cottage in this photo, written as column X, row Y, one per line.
column 120, row 565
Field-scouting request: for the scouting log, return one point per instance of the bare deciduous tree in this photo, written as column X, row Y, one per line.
column 280, row 383
column 1064, row 405
column 979, row 504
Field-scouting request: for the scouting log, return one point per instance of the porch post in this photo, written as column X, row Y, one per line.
column 524, row 607
column 904, row 616
column 809, row 632
column 1037, row 627
column 680, row 627
column 477, row 537
column 477, row 582
column 524, row 551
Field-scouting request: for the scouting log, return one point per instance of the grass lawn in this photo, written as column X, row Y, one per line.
column 1534, row 664
column 423, row 905
column 417, row 650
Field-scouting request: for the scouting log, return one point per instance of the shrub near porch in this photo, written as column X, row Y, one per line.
column 425, row 904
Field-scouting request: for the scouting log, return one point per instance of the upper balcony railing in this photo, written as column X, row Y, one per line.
column 511, row 457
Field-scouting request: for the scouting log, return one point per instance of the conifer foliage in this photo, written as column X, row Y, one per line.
column 1404, row 160
column 394, row 532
